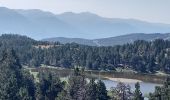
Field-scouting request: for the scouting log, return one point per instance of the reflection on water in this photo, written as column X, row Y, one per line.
column 146, row 88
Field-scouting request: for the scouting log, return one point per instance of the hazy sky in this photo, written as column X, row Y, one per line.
column 149, row 10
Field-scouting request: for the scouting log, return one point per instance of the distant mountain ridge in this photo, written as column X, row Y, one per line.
column 118, row 40
column 40, row 24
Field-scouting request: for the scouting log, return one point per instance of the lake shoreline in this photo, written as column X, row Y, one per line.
column 114, row 76
column 124, row 80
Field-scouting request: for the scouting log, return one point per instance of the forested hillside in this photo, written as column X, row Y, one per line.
column 112, row 41
column 140, row 56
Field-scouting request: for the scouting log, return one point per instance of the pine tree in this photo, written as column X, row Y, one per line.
column 121, row 92
column 28, row 86
column 91, row 90
column 9, row 76
column 12, row 80
column 137, row 93
column 49, row 87
column 76, row 85
column 161, row 92
column 101, row 91
column 63, row 95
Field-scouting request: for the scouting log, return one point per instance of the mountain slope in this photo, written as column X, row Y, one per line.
column 64, row 40
column 92, row 24
column 118, row 40
column 40, row 24
column 130, row 38
column 11, row 21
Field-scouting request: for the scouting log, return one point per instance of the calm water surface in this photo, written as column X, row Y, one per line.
column 146, row 88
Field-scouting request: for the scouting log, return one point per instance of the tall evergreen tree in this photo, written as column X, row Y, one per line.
column 10, row 76
column 161, row 92
column 49, row 87
column 121, row 92
column 101, row 91
column 137, row 93
column 77, row 82
column 13, row 85
column 63, row 95
column 91, row 90
column 28, row 88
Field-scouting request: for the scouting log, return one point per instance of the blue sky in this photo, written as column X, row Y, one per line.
column 147, row 10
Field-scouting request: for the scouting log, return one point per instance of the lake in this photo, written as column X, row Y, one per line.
column 146, row 87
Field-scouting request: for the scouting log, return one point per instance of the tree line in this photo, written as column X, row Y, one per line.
column 141, row 56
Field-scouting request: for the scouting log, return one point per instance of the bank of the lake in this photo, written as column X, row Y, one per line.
column 114, row 76
column 124, row 80
column 111, row 79
column 125, row 76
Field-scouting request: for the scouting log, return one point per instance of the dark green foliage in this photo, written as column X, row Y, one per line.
column 63, row 95
column 18, row 84
column 161, row 93
column 76, row 85
column 91, row 90
column 79, row 89
column 141, row 56
column 14, row 85
column 101, row 91
column 49, row 87
column 121, row 92
column 137, row 93
column 10, row 76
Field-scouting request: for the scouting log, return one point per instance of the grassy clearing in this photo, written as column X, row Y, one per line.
column 35, row 74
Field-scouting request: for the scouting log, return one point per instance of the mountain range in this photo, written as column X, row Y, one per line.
column 40, row 24
column 118, row 40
